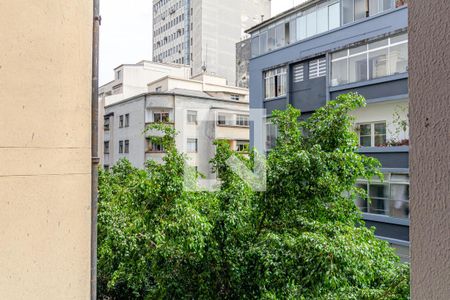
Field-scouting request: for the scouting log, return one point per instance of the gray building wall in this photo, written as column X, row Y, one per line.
column 243, row 55
column 312, row 94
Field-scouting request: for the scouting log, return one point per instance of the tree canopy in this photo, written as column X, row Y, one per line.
column 303, row 238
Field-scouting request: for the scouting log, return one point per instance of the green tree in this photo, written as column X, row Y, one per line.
column 303, row 238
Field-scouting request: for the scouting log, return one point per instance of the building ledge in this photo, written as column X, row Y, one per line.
column 369, row 82
column 388, row 149
column 385, row 219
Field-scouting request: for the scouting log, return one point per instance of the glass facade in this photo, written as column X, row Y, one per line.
column 373, row 60
column 317, row 19
column 389, row 197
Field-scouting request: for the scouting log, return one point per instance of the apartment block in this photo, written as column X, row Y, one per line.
column 202, row 33
column 320, row 49
column 201, row 109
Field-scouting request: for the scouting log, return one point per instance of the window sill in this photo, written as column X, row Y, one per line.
column 232, row 126
column 385, row 219
column 275, row 98
column 389, row 149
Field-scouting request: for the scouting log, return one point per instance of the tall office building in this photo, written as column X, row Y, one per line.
column 203, row 33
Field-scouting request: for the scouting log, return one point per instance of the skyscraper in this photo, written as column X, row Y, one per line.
column 203, row 33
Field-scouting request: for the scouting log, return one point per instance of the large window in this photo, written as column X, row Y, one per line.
column 369, row 61
column 275, row 83
column 294, row 28
column 389, row 197
column 372, row 134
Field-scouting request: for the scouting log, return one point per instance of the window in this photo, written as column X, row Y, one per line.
column 390, row 197
column 372, row 134
column 127, row 146
column 158, row 89
column 154, row 146
column 369, row 61
column 298, row 71
column 271, row 135
column 106, row 124
column 235, row 97
column 127, row 120
column 317, row 68
column 255, row 46
column 221, row 119
column 192, row 145
column 192, row 117
column 275, row 83
column 106, row 147
column 121, row 121
column 242, row 120
column 161, row 117
column 322, row 19
column 120, row 147
column 106, row 167
column 119, row 74
column 242, row 146
column 334, row 16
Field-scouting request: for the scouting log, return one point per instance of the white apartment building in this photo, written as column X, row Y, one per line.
column 201, row 109
column 203, row 33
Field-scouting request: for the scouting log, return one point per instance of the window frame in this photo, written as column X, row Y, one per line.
column 191, row 141
column 120, row 147
column 372, row 133
column 390, row 44
column 388, row 182
column 189, row 114
column 275, row 83
column 127, row 120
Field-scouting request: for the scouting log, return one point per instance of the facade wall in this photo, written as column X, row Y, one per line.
column 45, row 149
column 385, row 96
column 430, row 159
column 141, row 112
column 243, row 55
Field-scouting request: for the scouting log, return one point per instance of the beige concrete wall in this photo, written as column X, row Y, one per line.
column 45, row 85
column 429, row 84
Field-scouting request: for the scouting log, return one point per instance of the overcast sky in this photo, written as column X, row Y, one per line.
column 126, row 32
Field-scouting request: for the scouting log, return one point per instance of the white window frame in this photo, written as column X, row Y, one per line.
column 366, row 52
column 372, row 132
column 388, row 181
column 192, row 117
column 277, row 77
column 190, row 142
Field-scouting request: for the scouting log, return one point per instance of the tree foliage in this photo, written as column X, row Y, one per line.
column 301, row 239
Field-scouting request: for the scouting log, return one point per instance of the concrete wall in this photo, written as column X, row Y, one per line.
column 429, row 65
column 45, row 149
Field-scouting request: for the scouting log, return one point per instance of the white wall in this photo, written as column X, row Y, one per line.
column 385, row 112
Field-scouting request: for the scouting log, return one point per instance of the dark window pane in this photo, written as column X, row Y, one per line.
column 365, row 141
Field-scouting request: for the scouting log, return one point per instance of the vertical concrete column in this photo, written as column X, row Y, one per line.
column 45, row 149
column 429, row 73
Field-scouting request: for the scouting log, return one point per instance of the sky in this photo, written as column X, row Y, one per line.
column 126, row 32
